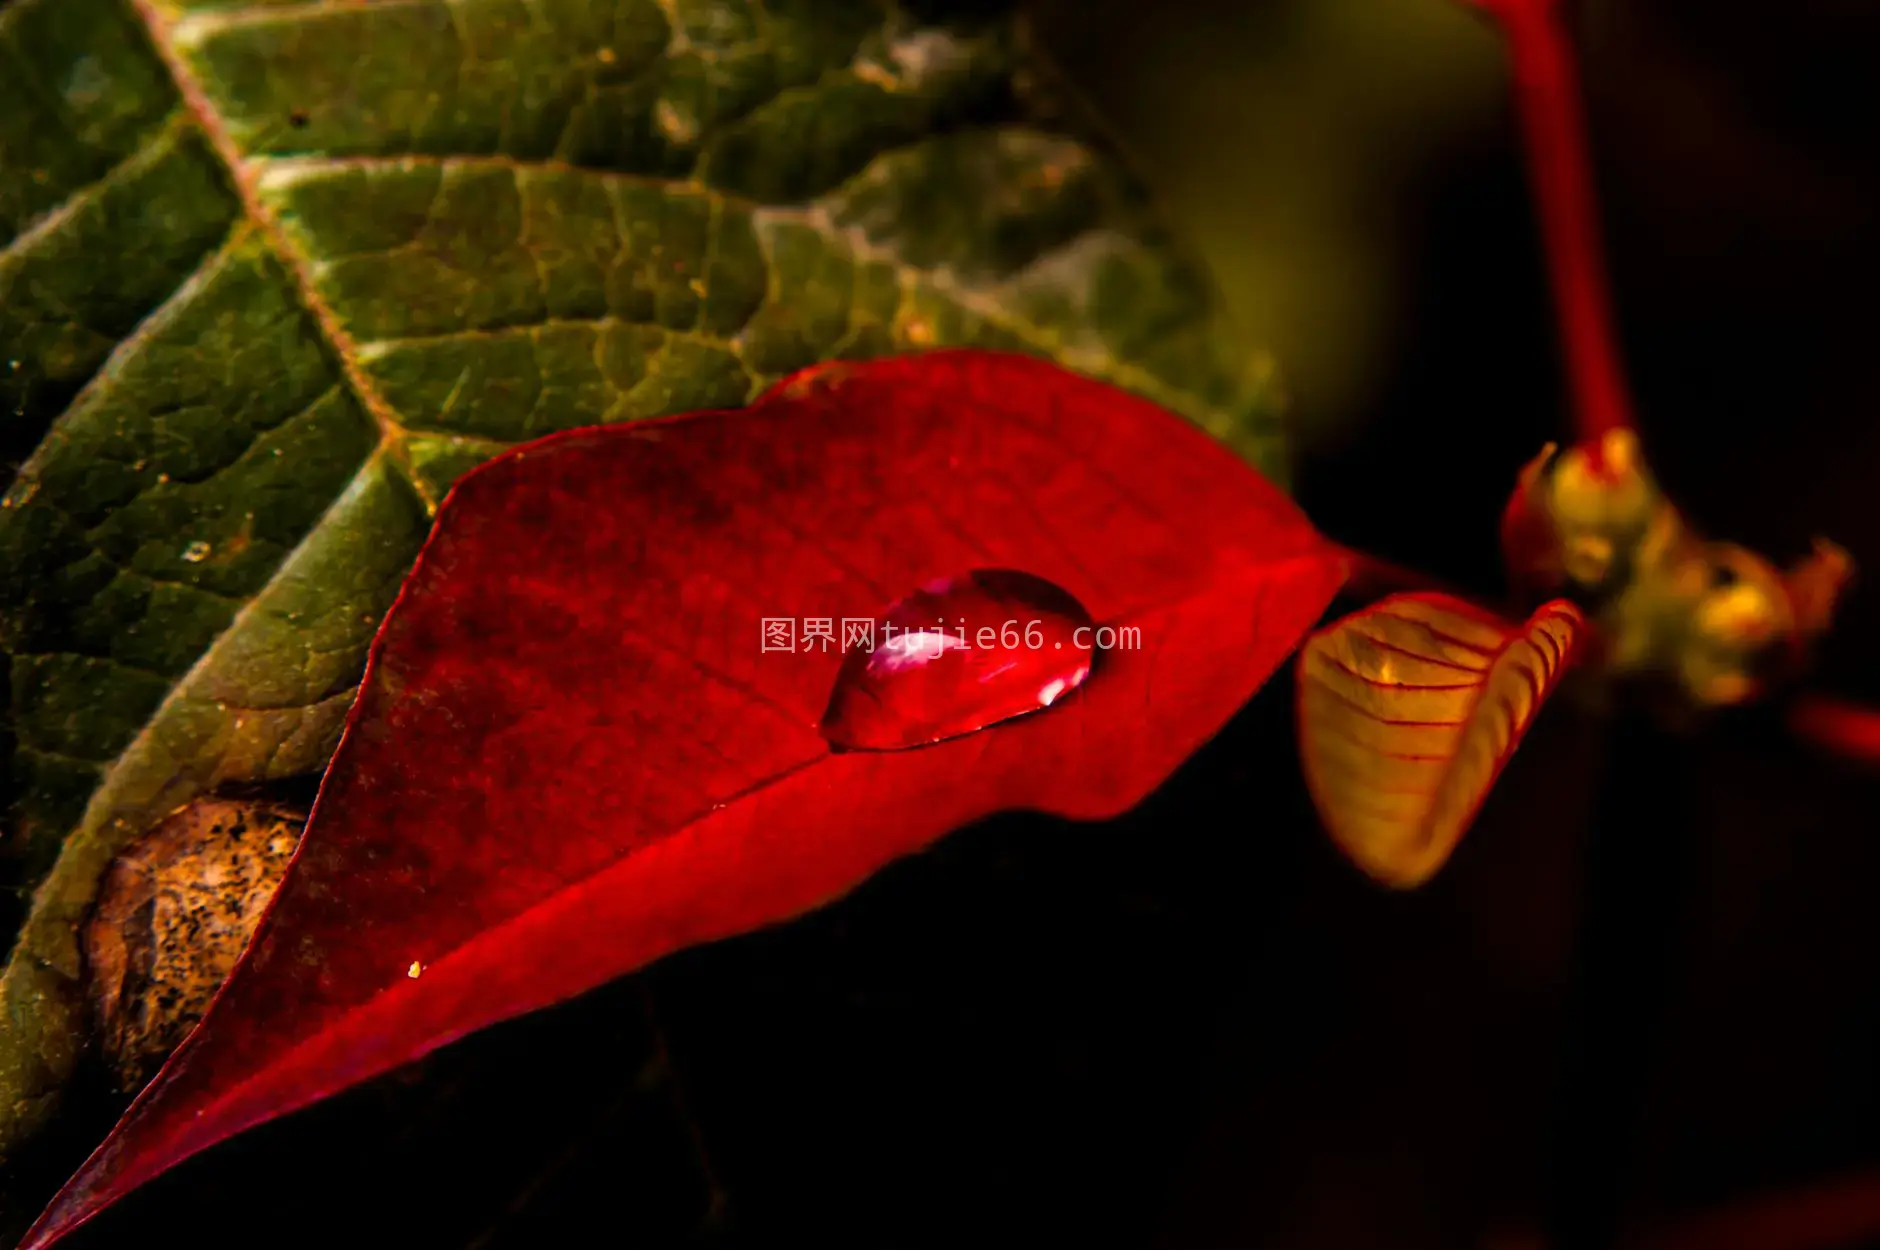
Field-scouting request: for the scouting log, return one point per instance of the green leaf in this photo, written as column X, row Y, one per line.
column 273, row 273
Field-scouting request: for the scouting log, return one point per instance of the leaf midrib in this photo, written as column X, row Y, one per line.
column 299, row 269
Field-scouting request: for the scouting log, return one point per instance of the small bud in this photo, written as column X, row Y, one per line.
column 1576, row 516
column 1716, row 620
column 1815, row 585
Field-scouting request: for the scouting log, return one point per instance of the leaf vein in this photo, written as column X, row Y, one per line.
column 242, row 177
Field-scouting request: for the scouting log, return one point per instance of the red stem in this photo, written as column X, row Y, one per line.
column 1553, row 127
column 1839, row 1211
column 1845, row 729
column 1375, row 578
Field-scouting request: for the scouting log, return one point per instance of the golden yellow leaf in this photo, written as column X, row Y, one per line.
column 1408, row 710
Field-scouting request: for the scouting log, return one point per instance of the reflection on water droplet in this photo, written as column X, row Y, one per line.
column 957, row 655
column 196, row 552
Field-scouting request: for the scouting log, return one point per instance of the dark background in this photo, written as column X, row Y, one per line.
column 1646, row 991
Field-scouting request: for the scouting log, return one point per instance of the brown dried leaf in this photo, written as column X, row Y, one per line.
column 172, row 918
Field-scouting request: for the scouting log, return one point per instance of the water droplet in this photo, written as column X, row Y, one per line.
column 957, row 655
column 196, row 552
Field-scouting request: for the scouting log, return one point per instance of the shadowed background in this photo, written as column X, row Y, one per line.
column 1349, row 168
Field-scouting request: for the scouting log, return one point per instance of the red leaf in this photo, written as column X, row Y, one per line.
column 570, row 756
